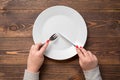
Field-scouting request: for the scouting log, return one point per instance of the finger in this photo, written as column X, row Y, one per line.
column 84, row 51
column 79, row 53
column 36, row 47
column 43, row 48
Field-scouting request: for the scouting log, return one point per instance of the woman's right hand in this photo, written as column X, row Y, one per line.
column 87, row 60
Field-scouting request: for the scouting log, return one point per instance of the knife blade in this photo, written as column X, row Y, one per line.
column 67, row 39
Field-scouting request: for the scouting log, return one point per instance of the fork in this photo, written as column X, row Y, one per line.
column 52, row 38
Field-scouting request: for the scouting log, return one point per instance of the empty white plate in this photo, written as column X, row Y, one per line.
column 64, row 20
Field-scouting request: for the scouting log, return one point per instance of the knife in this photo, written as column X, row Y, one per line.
column 67, row 39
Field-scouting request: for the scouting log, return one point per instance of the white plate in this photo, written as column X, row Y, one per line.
column 64, row 20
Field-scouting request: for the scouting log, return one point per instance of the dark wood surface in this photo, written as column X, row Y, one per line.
column 16, row 22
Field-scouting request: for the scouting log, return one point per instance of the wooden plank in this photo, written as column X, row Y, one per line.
column 10, row 54
column 95, row 29
column 42, row 4
column 46, row 69
column 18, row 23
column 19, row 15
column 11, row 43
column 49, row 71
column 105, row 44
column 13, row 59
column 22, row 59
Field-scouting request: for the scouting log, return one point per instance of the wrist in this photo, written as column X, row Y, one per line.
column 33, row 70
column 93, row 74
column 88, row 69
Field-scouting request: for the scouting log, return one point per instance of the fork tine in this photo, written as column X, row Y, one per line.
column 53, row 37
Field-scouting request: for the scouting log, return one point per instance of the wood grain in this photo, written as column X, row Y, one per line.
column 16, row 22
column 48, row 71
column 42, row 4
column 111, row 29
column 95, row 44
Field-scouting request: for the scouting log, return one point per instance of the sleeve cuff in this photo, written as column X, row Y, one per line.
column 31, row 76
column 93, row 74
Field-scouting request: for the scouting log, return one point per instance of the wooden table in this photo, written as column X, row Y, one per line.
column 16, row 22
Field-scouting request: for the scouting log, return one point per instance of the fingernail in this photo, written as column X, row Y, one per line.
column 76, row 46
column 47, row 41
column 81, row 47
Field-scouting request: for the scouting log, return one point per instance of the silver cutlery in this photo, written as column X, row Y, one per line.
column 67, row 40
column 52, row 38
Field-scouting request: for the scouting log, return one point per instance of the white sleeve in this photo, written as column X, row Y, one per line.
column 93, row 74
column 31, row 76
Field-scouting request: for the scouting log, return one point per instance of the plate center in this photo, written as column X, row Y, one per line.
column 59, row 24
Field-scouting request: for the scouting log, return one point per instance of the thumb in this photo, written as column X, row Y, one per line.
column 43, row 48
